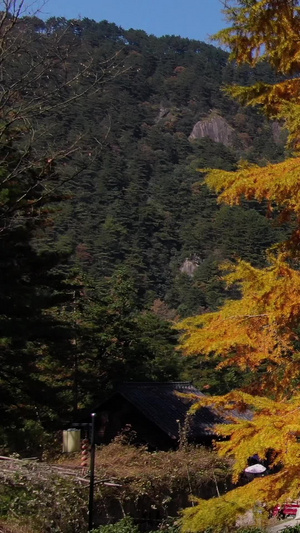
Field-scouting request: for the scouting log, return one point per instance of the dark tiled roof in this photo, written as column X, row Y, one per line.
column 160, row 404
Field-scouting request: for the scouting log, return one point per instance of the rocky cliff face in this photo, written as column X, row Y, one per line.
column 215, row 127
column 189, row 266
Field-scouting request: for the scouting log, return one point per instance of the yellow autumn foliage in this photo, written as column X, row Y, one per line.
column 260, row 331
column 273, row 425
column 263, row 30
column 268, row 30
column 221, row 514
column 260, row 328
column 278, row 183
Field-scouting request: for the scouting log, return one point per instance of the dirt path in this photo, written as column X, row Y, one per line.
column 281, row 526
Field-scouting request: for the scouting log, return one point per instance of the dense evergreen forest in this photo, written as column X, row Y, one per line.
column 140, row 204
column 107, row 233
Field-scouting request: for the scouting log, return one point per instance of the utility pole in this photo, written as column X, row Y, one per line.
column 74, row 343
column 92, row 474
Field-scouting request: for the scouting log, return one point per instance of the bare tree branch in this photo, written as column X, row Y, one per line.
column 38, row 82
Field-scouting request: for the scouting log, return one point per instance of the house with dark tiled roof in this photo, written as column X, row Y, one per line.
column 155, row 414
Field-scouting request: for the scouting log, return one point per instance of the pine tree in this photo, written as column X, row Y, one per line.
column 38, row 82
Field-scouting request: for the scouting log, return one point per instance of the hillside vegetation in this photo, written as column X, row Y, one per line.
column 156, row 124
column 108, row 233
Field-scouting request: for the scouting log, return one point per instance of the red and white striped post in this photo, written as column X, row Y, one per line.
column 84, row 454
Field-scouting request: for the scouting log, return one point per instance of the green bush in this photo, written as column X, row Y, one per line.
column 53, row 504
column 10, row 497
column 251, row 530
column 168, row 526
column 126, row 525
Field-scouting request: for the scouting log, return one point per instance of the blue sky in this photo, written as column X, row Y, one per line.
column 196, row 19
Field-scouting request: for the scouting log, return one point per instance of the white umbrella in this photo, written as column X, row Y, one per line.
column 255, row 469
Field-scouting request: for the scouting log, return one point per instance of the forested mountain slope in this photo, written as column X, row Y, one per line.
column 155, row 125
column 107, row 232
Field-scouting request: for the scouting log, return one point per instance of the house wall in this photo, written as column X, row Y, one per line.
column 118, row 416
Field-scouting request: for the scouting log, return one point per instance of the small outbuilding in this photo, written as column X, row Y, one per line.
column 155, row 414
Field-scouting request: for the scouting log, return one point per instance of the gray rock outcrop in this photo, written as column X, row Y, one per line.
column 189, row 266
column 215, row 127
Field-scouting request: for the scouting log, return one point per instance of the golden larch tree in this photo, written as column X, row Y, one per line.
column 260, row 331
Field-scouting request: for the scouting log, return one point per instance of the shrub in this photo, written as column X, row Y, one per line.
column 251, row 530
column 126, row 525
column 148, row 487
